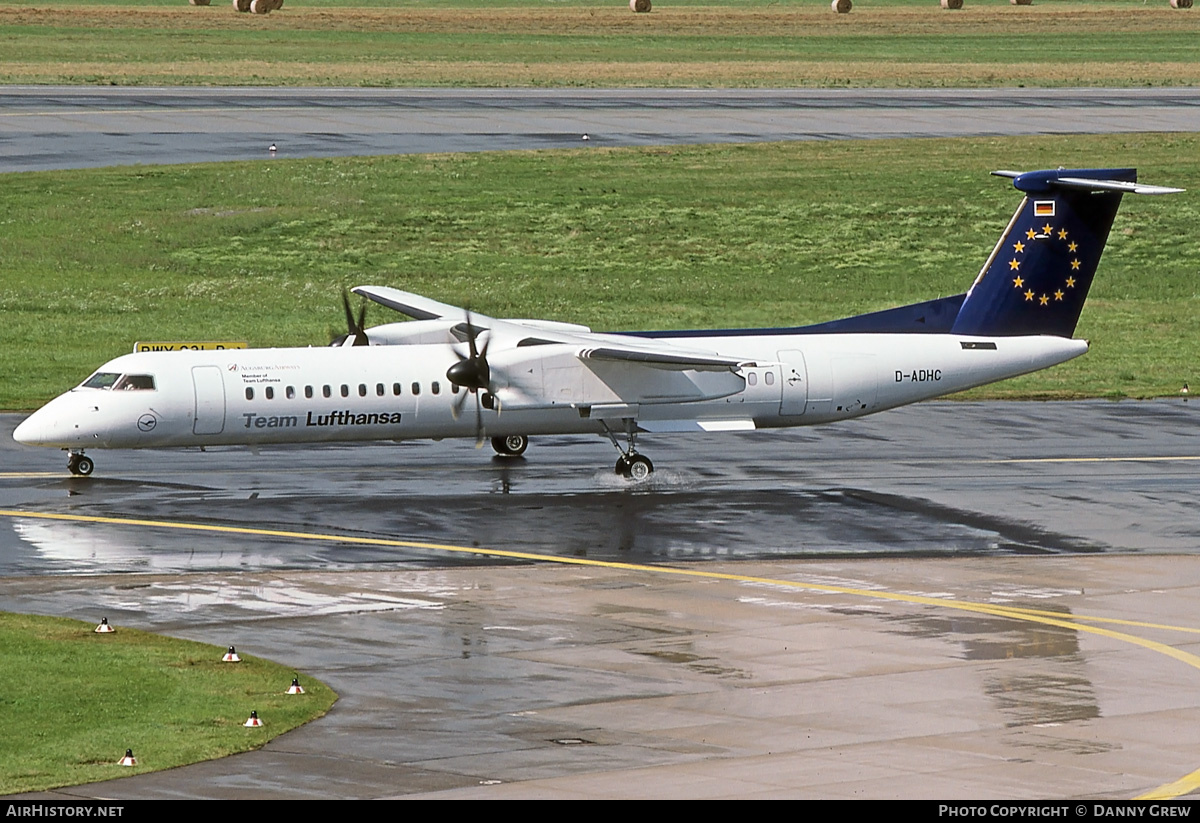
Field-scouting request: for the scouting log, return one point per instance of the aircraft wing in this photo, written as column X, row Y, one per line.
column 589, row 346
column 414, row 305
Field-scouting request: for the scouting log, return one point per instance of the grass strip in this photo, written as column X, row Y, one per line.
column 680, row 237
column 737, row 43
column 72, row 701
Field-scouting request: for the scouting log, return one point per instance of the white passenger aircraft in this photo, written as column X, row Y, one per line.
column 532, row 377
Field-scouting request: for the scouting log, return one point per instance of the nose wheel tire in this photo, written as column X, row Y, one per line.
column 80, row 465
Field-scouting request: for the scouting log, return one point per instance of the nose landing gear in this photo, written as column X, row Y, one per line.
column 79, row 464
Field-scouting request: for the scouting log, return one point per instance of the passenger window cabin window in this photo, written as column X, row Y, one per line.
column 326, row 391
column 752, row 379
column 769, row 378
column 379, row 390
column 291, row 392
column 362, row 389
column 345, row 390
column 270, row 393
column 436, row 387
column 308, row 392
column 249, row 392
column 454, row 388
column 416, row 389
column 396, row 389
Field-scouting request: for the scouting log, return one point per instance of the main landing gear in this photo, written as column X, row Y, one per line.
column 79, row 464
column 630, row 464
column 512, row 446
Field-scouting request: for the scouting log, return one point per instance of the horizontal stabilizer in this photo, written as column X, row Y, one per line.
column 1083, row 180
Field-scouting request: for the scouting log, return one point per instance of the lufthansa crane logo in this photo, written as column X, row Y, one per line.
column 147, row 422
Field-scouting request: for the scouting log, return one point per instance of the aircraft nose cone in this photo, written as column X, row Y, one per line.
column 54, row 424
column 32, row 431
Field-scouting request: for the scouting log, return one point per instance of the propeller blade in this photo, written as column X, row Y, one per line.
column 456, row 406
column 360, row 329
column 471, row 373
column 472, row 370
column 480, row 434
column 471, row 335
column 356, row 333
column 349, row 314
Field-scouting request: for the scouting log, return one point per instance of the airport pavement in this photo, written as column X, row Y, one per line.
column 552, row 681
column 842, row 657
column 48, row 127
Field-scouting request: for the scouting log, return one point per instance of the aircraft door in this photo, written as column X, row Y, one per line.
column 210, row 400
column 795, row 383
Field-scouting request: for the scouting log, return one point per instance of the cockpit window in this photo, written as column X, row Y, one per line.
column 135, row 382
column 101, row 380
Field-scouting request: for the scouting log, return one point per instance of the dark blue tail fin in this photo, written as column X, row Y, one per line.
column 1037, row 278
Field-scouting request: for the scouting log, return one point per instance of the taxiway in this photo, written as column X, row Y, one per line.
column 76, row 127
column 935, row 601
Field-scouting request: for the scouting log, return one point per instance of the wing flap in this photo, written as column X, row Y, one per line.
column 661, row 360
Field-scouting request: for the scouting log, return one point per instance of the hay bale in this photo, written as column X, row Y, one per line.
column 1021, row 2
column 241, row 5
column 841, row 6
column 640, row 6
column 952, row 4
column 260, row 6
column 199, row 2
column 1181, row 4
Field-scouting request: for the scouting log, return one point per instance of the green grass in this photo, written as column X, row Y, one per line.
column 746, row 43
column 72, row 702
column 680, row 237
column 860, row 6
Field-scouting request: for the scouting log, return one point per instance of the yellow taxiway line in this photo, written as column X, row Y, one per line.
column 1081, row 623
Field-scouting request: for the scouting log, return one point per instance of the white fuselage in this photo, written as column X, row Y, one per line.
column 296, row 395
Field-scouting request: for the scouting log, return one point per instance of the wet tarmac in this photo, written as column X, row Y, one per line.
column 839, row 654
column 566, row 682
column 948, row 479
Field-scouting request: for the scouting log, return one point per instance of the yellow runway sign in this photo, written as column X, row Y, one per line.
column 206, row 345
